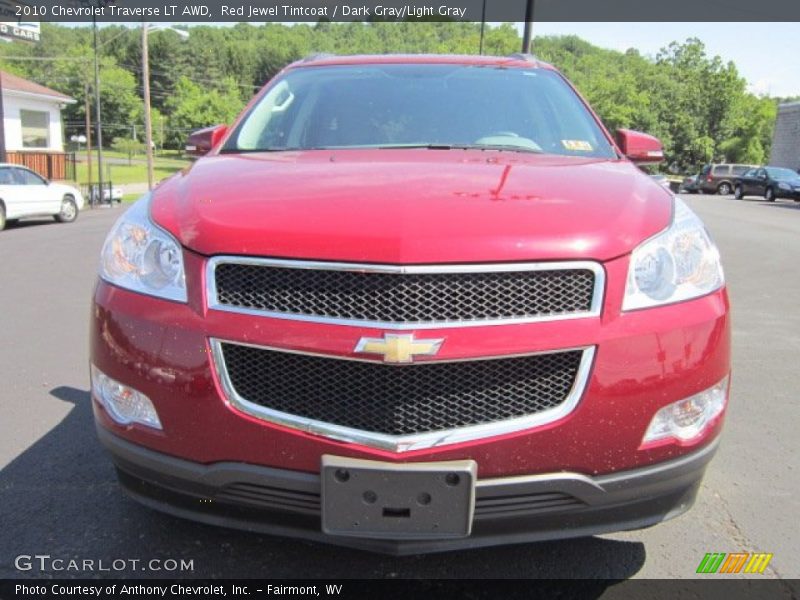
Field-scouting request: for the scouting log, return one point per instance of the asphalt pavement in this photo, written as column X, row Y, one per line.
column 59, row 496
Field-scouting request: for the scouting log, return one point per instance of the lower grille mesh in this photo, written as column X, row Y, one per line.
column 401, row 400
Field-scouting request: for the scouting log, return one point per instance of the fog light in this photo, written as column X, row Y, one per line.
column 124, row 404
column 686, row 419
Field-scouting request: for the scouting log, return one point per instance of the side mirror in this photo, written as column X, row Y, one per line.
column 202, row 141
column 640, row 147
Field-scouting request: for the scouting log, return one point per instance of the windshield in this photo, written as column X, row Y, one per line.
column 437, row 106
column 777, row 173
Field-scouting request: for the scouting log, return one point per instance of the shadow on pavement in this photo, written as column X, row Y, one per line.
column 790, row 206
column 63, row 500
column 24, row 223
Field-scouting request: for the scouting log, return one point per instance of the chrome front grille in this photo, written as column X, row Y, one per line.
column 406, row 297
column 401, row 407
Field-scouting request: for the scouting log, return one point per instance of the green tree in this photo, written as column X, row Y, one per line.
column 192, row 107
column 697, row 104
column 128, row 146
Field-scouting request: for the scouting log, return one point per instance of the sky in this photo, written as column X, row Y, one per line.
column 767, row 55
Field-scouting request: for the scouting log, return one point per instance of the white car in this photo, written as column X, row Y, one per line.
column 112, row 195
column 24, row 193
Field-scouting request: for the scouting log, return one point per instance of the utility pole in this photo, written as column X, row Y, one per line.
column 148, row 128
column 3, row 156
column 483, row 27
column 527, row 33
column 148, row 117
column 99, row 122
column 87, row 108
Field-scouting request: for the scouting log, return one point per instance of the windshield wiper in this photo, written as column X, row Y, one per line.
column 417, row 146
column 507, row 147
column 272, row 149
column 501, row 147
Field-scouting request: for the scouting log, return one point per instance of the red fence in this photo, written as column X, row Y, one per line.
column 53, row 165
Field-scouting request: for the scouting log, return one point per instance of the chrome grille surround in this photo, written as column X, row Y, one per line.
column 400, row 443
column 494, row 270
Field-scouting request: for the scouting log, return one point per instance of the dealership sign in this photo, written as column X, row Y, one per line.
column 15, row 28
column 29, row 32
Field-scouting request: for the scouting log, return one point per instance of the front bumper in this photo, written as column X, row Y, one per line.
column 507, row 510
column 643, row 361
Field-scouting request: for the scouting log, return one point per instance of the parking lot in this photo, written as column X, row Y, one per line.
column 59, row 495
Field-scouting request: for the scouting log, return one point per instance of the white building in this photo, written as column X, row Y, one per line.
column 32, row 116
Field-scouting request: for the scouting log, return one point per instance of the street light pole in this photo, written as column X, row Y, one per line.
column 148, row 121
column 99, row 120
column 87, row 109
column 483, row 27
column 3, row 156
column 527, row 32
column 148, row 128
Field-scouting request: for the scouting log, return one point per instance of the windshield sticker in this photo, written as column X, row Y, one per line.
column 578, row 145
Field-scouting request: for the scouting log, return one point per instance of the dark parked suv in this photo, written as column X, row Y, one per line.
column 719, row 178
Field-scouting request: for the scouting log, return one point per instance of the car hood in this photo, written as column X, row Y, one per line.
column 411, row 206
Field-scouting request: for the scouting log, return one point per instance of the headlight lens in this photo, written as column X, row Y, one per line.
column 784, row 186
column 678, row 264
column 140, row 256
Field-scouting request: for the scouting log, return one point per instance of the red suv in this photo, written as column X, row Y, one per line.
column 413, row 303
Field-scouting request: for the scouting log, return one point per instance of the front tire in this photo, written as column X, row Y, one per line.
column 69, row 210
column 738, row 192
column 769, row 195
column 724, row 188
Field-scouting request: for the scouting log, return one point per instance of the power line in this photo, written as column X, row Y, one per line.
column 80, row 125
column 162, row 74
column 138, row 70
column 44, row 58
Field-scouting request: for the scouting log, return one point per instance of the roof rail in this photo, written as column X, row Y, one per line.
column 524, row 56
column 317, row 56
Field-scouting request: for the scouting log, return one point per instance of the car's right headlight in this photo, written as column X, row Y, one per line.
column 140, row 256
column 680, row 263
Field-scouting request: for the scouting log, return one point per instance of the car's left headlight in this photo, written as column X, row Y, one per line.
column 140, row 256
column 784, row 186
column 678, row 264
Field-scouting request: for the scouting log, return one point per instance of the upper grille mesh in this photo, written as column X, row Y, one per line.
column 394, row 400
column 407, row 297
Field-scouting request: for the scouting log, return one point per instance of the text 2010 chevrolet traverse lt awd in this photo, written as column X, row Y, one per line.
column 413, row 303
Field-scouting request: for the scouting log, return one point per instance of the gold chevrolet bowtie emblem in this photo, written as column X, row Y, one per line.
column 398, row 348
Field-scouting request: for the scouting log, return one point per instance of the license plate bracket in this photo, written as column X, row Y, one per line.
column 372, row 499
